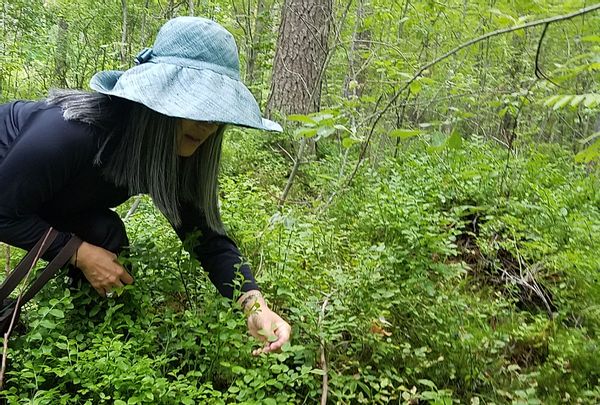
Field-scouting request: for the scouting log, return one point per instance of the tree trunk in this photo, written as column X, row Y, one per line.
column 302, row 48
column 144, row 17
column 60, row 57
column 361, row 42
column 124, row 33
column 252, row 76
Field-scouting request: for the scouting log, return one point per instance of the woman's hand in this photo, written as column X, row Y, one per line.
column 264, row 324
column 101, row 268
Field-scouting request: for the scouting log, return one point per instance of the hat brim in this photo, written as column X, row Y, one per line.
column 195, row 94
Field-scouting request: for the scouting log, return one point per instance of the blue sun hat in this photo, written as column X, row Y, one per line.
column 191, row 72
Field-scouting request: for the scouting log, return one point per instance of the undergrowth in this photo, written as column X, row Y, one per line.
column 440, row 276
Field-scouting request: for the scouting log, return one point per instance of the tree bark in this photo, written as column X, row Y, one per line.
column 302, row 48
column 60, row 57
column 123, row 54
column 252, row 76
column 144, row 17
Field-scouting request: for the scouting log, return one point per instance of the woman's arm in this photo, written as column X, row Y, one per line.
column 217, row 253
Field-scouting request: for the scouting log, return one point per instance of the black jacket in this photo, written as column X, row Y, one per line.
column 47, row 174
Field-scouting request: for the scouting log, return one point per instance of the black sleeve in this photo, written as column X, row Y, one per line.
column 45, row 156
column 217, row 253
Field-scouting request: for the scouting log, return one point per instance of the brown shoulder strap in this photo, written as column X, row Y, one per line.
column 57, row 263
column 15, row 277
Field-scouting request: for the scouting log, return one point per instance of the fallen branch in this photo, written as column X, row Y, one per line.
column 545, row 21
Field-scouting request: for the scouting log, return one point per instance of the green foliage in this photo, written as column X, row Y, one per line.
column 457, row 264
column 417, row 266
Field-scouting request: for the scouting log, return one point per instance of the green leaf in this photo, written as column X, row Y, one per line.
column 591, row 38
column 348, row 142
column 325, row 132
column 322, row 116
column 564, row 100
column 47, row 323
column 404, row 133
column 550, row 101
column 438, row 140
column 238, row 370
column 454, row 140
column 301, row 118
column 415, row 87
column 57, row 313
column 590, row 138
column 342, row 128
column 427, row 383
column 576, row 100
column 590, row 153
column 591, row 100
column 305, row 132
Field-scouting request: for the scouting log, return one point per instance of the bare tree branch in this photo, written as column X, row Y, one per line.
column 538, row 71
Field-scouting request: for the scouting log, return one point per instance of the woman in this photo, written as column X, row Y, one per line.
column 156, row 128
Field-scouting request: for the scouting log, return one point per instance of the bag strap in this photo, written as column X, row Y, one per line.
column 15, row 277
column 9, row 307
column 57, row 263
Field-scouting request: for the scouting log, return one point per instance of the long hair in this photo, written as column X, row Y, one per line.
column 144, row 156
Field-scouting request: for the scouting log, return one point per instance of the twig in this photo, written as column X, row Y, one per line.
column 473, row 41
column 323, row 358
column 284, row 150
column 16, row 310
column 538, row 71
column 133, row 208
column 290, row 181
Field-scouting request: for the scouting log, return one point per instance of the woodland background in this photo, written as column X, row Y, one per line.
column 431, row 231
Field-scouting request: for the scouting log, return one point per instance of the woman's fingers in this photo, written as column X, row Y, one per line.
column 272, row 330
column 282, row 332
column 102, row 269
column 126, row 277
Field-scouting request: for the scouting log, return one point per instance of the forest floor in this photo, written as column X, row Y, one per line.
column 441, row 276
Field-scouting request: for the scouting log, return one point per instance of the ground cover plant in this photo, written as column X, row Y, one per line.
column 428, row 222
column 429, row 281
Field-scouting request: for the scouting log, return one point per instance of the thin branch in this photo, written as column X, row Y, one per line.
column 538, row 71
column 453, row 51
column 134, row 207
column 323, row 362
column 290, row 181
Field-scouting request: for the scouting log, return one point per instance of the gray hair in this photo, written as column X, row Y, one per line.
column 144, row 159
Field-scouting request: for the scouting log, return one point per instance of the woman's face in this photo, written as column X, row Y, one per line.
column 192, row 134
